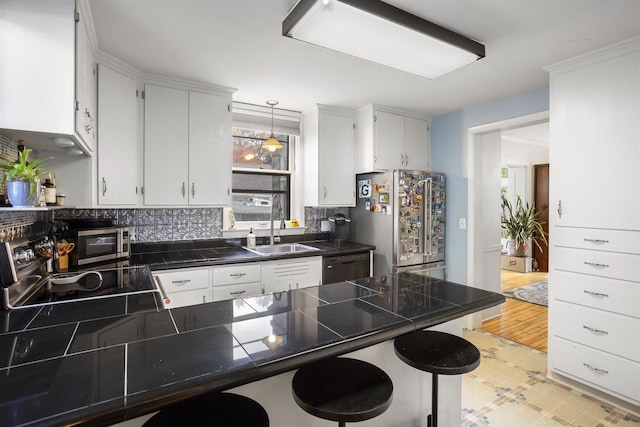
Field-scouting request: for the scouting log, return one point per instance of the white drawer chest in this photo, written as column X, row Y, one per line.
column 594, row 275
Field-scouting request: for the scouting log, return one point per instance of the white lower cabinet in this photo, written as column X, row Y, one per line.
column 236, row 281
column 185, row 286
column 600, row 370
column 283, row 275
column 190, row 286
column 594, row 323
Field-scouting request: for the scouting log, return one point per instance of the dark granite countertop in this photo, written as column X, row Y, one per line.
column 200, row 253
column 101, row 362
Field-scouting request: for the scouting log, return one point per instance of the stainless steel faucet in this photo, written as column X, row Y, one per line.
column 275, row 198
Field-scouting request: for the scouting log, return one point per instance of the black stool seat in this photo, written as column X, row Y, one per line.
column 437, row 352
column 342, row 389
column 213, row 410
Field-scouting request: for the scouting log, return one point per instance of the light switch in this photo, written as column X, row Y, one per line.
column 463, row 223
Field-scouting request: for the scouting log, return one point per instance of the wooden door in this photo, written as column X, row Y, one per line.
column 541, row 200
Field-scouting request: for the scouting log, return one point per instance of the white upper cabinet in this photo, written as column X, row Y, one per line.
column 209, row 149
column 47, row 72
column 118, row 161
column 595, row 141
column 187, row 147
column 166, row 146
column 416, row 143
column 86, row 85
column 329, row 176
column 390, row 139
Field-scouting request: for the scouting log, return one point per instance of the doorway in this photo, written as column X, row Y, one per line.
column 541, row 200
column 484, row 246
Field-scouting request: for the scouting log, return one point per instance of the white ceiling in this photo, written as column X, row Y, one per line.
column 238, row 43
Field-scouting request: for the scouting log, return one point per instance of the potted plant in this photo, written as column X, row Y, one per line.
column 519, row 225
column 22, row 178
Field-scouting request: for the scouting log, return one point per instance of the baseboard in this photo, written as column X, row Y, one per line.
column 597, row 394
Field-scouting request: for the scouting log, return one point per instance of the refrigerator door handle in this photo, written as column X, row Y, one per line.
column 428, row 210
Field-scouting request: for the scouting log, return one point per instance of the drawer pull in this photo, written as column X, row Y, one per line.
column 595, row 264
column 594, row 369
column 597, row 331
column 596, row 241
column 237, row 293
column 180, row 282
column 595, row 294
column 237, row 274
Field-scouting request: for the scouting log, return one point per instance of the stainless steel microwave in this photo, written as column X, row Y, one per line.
column 98, row 244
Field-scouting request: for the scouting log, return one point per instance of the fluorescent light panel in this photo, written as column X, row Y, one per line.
column 381, row 33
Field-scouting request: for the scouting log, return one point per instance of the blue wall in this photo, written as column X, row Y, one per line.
column 449, row 155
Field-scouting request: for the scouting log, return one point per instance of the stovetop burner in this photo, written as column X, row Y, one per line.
column 91, row 284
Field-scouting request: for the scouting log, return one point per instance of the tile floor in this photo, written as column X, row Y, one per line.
column 510, row 389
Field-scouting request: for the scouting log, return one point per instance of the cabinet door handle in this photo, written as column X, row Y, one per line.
column 595, row 294
column 237, row 274
column 184, row 190
column 595, row 264
column 593, row 368
column 324, row 192
column 597, row 331
column 88, row 121
column 104, row 186
column 193, row 189
column 559, row 208
column 237, row 293
column 180, row 282
column 596, row 241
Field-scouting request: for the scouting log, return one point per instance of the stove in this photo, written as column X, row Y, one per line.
column 28, row 280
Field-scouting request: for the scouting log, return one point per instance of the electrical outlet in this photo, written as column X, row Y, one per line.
column 463, row 223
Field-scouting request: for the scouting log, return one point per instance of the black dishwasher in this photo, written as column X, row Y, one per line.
column 345, row 267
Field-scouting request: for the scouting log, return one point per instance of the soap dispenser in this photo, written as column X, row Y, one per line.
column 251, row 239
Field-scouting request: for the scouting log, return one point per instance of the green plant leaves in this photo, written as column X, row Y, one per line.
column 23, row 170
column 520, row 223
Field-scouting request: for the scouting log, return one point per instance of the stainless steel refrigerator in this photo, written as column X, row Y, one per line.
column 402, row 212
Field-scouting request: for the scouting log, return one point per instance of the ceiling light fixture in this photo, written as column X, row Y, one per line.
column 381, row 33
column 272, row 144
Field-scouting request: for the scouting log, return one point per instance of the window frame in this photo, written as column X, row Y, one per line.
column 296, row 210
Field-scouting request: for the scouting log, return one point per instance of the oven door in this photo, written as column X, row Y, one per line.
column 97, row 246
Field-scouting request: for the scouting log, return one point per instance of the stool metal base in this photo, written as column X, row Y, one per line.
column 438, row 353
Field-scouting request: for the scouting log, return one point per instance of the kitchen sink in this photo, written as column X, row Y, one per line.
column 286, row 248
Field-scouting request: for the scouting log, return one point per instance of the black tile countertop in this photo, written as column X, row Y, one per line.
column 198, row 253
column 60, row 365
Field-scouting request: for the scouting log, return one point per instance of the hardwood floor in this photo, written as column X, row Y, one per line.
column 522, row 322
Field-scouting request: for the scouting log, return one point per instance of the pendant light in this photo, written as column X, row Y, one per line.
column 272, row 144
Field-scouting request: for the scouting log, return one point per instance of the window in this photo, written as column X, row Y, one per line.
column 261, row 178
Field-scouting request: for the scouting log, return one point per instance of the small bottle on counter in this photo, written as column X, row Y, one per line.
column 49, row 192
column 251, row 239
column 60, row 199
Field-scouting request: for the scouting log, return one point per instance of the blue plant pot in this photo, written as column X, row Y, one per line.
column 18, row 193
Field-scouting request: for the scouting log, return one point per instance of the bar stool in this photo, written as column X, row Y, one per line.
column 439, row 354
column 342, row 389
column 213, row 410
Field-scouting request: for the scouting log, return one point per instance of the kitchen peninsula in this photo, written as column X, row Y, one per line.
column 97, row 364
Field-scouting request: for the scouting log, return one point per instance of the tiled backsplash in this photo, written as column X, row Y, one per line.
column 313, row 217
column 156, row 225
column 153, row 225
